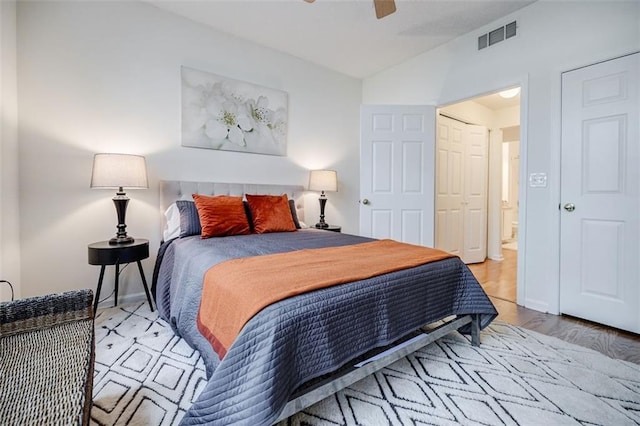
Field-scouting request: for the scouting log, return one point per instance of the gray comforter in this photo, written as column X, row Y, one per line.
column 300, row 338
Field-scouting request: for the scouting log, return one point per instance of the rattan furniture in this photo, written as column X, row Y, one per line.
column 46, row 359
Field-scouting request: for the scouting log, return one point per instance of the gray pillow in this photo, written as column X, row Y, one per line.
column 294, row 214
column 189, row 219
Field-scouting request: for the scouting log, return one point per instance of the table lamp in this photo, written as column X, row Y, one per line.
column 323, row 180
column 119, row 171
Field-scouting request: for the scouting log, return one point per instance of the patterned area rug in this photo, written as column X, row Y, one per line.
column 145, row 375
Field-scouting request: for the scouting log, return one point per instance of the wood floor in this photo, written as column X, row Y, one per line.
column 498, row 278
column 499, row 281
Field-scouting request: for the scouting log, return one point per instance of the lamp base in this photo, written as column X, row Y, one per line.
column 121, row 240
column 323, row 202
column 120, row 201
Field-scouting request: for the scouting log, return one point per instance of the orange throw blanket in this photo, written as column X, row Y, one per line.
column 235, row 290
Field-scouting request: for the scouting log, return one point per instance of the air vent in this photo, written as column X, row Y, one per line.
column 510, row 30
column 482, row 41
column 497, row 35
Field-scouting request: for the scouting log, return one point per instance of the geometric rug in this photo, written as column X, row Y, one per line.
column 145, row 375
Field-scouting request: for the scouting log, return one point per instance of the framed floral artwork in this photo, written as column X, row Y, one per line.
column 231, row 115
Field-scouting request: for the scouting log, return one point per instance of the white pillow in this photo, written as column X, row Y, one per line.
column 172, row 223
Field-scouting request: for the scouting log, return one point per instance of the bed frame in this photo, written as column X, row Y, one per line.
column 349, row 375
column 171, row 191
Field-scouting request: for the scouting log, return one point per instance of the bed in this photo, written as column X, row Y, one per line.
column 299, row 350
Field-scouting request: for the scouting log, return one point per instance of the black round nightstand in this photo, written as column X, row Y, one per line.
column 332, row 228
column 102, row 253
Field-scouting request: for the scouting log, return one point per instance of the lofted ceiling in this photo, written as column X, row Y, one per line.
column 344, row 35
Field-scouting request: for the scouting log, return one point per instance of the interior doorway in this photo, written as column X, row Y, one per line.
column 500, row 114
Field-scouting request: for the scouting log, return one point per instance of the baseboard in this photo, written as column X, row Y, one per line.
column 123, row 299
column 536, row 305
column 497, row 258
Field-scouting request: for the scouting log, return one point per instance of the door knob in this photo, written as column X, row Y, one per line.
column 365, row 201
column 569, row 207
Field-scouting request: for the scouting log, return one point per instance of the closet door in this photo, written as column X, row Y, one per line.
column 476, row 167
column 461, row 189
column 600, row 193
column 450, row 195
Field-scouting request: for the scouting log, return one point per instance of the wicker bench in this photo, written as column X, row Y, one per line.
column 46, row 359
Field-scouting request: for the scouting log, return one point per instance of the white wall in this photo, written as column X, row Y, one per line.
column 553, row 36
column 9, row 209
column 105, row 77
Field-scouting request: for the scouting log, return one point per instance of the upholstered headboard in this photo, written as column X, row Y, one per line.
column 172, row 190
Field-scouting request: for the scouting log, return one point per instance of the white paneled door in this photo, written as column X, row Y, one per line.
column 461, row 189
column 450, row 179
column 600, row 195
column 397, row 146
column 475, row 189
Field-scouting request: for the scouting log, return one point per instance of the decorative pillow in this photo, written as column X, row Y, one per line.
column 270, row 213
column 189, row 219
column 221, row 215
column 294, row 214
column 172, row 223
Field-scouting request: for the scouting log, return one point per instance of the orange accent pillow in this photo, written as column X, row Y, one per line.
column 270, row 213
column 221, row 215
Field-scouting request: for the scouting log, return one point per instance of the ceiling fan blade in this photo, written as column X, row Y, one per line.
column 384, row 7
column 309, row 1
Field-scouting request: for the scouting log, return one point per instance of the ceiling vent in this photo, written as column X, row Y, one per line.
column 497, row 35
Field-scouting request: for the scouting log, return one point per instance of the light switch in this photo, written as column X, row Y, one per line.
column 538, row 180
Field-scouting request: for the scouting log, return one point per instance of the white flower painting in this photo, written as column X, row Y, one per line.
column 231, row 115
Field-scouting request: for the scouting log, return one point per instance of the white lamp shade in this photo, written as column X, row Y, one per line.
column 323, row 180
column 119, row 171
